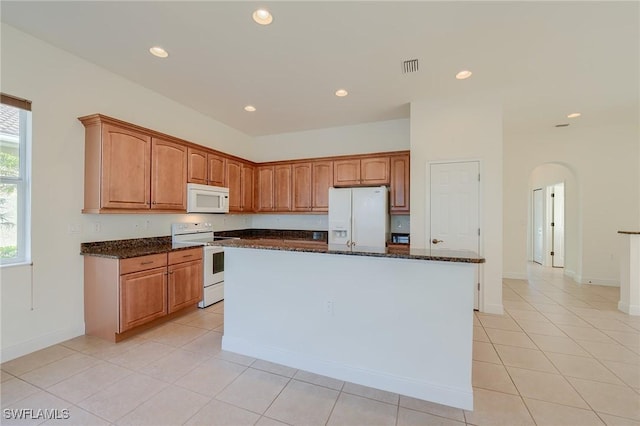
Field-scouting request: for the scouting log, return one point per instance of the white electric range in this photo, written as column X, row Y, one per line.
column 202, row 233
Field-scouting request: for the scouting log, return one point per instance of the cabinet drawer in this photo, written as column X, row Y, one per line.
column 142, row 263
column 185, row 255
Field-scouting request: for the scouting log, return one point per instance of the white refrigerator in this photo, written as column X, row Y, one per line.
column 359, row 219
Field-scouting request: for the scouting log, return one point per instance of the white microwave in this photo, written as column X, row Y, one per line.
column 207, row 199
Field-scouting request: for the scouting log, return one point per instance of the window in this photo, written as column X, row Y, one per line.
column 15, row 127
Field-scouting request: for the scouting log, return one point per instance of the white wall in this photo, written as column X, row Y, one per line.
column 62, row 88
column 461, row 129
column 381, row 136
column 604, row 160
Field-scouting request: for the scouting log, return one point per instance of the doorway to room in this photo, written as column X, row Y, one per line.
column 548, row 237
column 553, row 226
column 454, row 192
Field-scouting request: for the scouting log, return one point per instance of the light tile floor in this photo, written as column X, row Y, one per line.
column 561, row 355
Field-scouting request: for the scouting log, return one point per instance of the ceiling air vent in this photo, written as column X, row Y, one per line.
column 410, row 65
column 562, row 125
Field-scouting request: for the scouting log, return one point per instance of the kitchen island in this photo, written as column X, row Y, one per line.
column 400, row 321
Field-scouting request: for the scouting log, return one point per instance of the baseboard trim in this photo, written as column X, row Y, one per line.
column 497, row 309
column 597, row 281
column 40, row 342
column 460, row 398
column 514, row 276
column 629, row 309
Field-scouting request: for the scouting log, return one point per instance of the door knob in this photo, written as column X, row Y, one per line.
column 434, row 241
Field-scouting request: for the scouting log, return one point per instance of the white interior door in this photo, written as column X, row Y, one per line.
column 558, row 226
column 538, row 226
column 455, row 208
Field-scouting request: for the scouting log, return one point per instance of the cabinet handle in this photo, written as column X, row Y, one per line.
column 154, row 202
column 147, row 263
column 187, row 255
column 171, row 272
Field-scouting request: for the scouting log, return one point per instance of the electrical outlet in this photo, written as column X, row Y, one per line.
column 329, row 307
column 137, row 226
column 74, row 228
column 97, row 227
column 147, row 224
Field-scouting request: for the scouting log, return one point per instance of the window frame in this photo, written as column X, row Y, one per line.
column 23, row 189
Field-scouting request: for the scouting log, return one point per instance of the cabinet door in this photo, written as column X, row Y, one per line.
column 185, row 285
column 234, row 182
column 301, row 184
column 322, row 180
column 346, row 172
column 168, row 175
column 126, row 171
column 217, row 167
column 282, row 188
column 400, row 184
column 265, row 189
column 247, row 188
column 374, row 171
column 197, row 167
column 143, row 297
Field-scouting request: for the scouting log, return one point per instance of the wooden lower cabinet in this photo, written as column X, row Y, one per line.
column 185, row 285
column 143, row 297
column 122, row 295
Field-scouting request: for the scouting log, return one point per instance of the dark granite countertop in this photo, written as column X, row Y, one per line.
column 629, row 232
column 124, row 249
column 274, row 240
column 461, row 256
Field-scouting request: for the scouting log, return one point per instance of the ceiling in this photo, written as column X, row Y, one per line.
column 544, row 60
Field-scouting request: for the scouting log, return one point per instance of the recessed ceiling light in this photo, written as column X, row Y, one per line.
column 262, row 17
column 159, row 52
column 341, row 93
column 574, row 115
column 462, row 75
column 250, row 108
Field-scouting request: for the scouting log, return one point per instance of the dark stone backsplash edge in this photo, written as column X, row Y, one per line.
column 282, row 234
column 133, row 247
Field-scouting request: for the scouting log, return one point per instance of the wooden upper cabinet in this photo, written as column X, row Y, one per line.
column 234, row 183
column 248, row 179
column 400, row 184
column 301, row 186
column 168, row 175
column 264, row 189
column 197, row 166
column 361, row 171
column 123, row 177
column 217, row 170
column 374, row 171
column 282, row 188
column 321, row 181
column 346, row 172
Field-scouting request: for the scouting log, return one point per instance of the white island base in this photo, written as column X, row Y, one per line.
column 400, row 325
